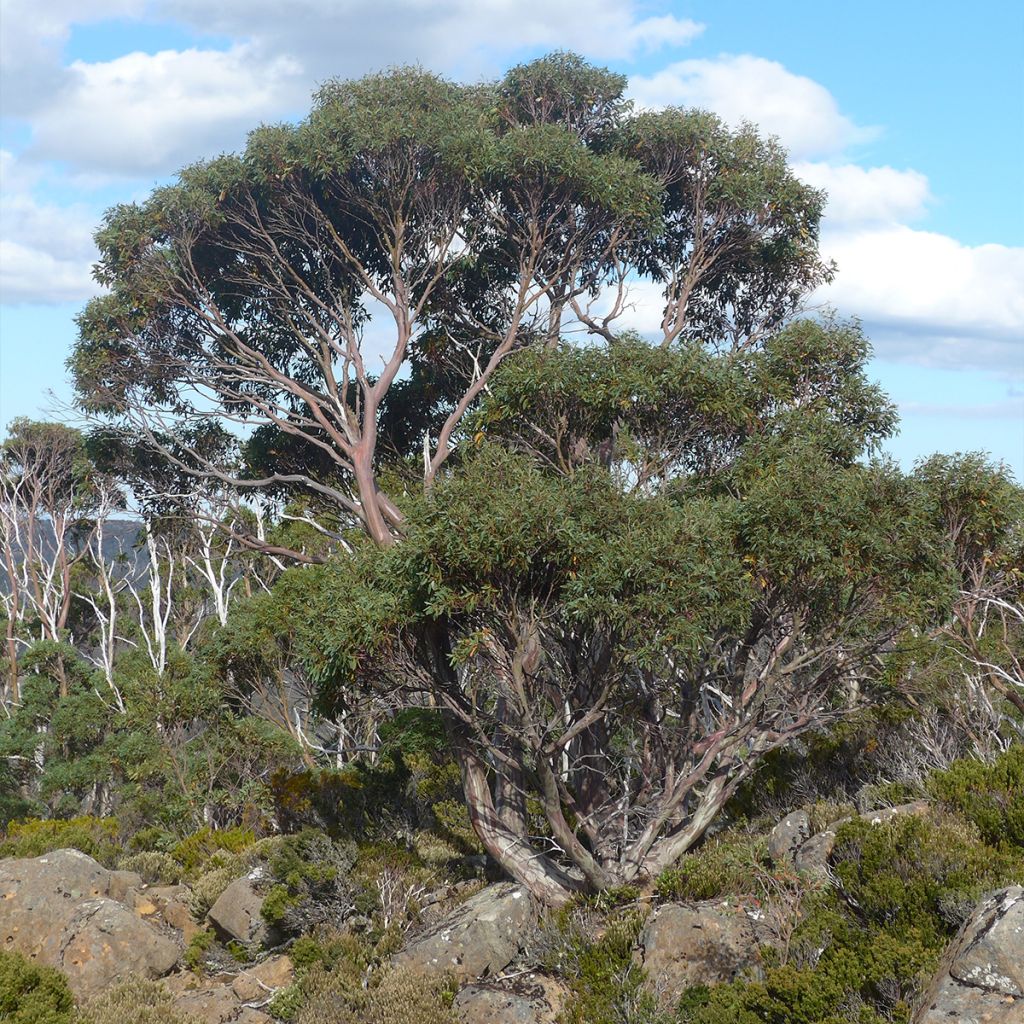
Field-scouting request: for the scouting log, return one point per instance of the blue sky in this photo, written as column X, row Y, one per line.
column 908, row 112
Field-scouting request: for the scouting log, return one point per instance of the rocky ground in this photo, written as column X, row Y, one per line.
column 99, row 927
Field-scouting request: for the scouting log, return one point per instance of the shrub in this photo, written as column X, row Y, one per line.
column 155, row 868
column 194, row 851
column 136, row 1000
column 726, row 865
column 32, row 994
column 207, row 889
column 990, row 795
column 863, row 951
column 589, row 943
column 396, row 996
column 903, row 873
column 198, row 946
column 98, row 837
column 310, row 872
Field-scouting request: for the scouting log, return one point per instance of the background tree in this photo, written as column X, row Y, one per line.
column 48, row 491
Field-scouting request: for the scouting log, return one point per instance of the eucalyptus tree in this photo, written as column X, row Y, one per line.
column 49, row 493
column 363, row 315
column 350, row 285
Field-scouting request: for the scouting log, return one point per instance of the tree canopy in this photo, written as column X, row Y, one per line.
column 620, row 570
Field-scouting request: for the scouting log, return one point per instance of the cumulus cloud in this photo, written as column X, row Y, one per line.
column 332, row 38
column 47, row 250
column 31, row 42
column 928, row 299
column 149, row 113
column 867, row 194
column 801, row 112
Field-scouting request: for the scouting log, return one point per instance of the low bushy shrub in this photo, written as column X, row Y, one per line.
column 154, row 867
column 728, row 864
column 98, row 837
column 605, row 981
column 32, row 994
column 137, row 1001
column 395, row 995
column 864, row 949
column 905, row 873
column 208, row 888
column 194, row 852
column 310, row 872
column 989, row 795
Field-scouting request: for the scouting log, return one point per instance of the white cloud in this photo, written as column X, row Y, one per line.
column 926, row 298
column 47, row 251
column 149, row 113
column 343, row 39
column 802, row 113
column 34, row 33
column 867, row 194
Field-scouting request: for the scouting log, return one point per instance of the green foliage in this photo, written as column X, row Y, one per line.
column 864, row 952
column 915, row 873
column 728, row 864
column 198, row 946
column 209, row 887
column 311, row 875
column 605, row 980
column 396, row 995
column 196, row 849
column 154, row 867
column 989, row 795
column 32, row 994
column 137, row 1000
column 98, row 837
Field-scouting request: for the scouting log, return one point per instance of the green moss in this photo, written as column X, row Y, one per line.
column 32, row 994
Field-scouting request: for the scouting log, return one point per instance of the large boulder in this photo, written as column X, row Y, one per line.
column 236, row 914
column 479, row 938
column 529, row 999
column 981, row 977
column 55, row 909
column 697, row 944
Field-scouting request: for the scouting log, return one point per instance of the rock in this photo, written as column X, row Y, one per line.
column 236, row 913
column 479, row 938
column 787, row 837
column 813, row 855
column 257, row 983
column 178, row 915
column 122, row 884
column 106, row 943
column 531, row 999
column 55, row 910
column 914, row 809
column 981, row 977
column 697, row 944
column 214, row 1000
column 211, row 1003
